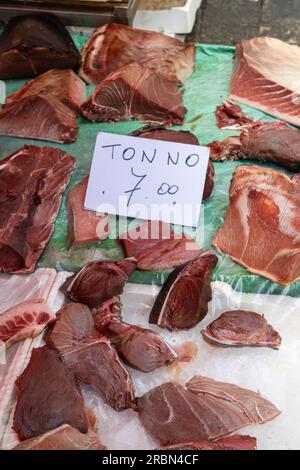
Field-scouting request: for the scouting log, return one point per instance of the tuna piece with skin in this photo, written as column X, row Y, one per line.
column 33, row 181
column 49, row 396
column 112, row 46
column 64, row 437
column 25, row 320
column 242, row 328
column 208, row 410
column 235, row 442
column 261, row 228
column 84, row 226
column 98, row 281
column 265, row 76
column 158, row 132
column 183, row 299
column 33, row 44
column 264, row 142
column 90, row 356
column 135, row 92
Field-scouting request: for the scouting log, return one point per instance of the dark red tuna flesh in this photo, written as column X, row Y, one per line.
column 183, row 299
column 49, row 396
column 33, row 180
column 231, row 114
column 135, row 92
column 157, row 132
column 90, row 356
column 140, row 348
column 235, row 442
column 98, row 281
column 33, row 44
column 208, row 410
column 242, row 328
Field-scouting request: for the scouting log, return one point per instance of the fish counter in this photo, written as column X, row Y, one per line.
column 193, row 324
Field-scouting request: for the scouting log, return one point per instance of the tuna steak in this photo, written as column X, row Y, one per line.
column 48, row 397
column 90, row 356
column 157, row 132
column 62, row 438
column 33, row 44
column 183, row 299
column 84, row 226
column 236, row 442
column 134, row 92
column 98, row 281
column 242, row 328
column 25, row 320
column 261, row 229
column 265, row 76
column 33, row 181
column 112, row 46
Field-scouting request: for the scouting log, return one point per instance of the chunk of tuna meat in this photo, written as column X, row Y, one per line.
column 90, row 356
column 236, row 442
column 154, row 245
column 33, row 44
column 135, row 92
column 63, row 84
column 25, row 320
column 33, row 181
column 48, row 397
column 112, row 46
column 84, row 226
column 261, row 228
column 157, row 132
column 98, row 281
column 171, row 414
column 183, row 299
column 64, row 437
column 230, row 114
column 264, row 142
column 266, row 76
column 242, row 328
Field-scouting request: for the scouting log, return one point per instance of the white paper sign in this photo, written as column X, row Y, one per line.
column 147, row 179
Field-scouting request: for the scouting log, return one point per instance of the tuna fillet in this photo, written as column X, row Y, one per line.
column 183, row 299
column 33, row 181
column 90, row 356
column 84, row 226
column 261, row 229
column 242, row 328
column 33, row 44
column 134, row 92
column 48, row 397
column 236, row 442
column 25, row 320
column 64, row 437
column 112, row 46
column 266, row 76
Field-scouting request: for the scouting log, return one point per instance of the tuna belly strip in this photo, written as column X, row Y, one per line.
column 261, row 229
column 236, row 442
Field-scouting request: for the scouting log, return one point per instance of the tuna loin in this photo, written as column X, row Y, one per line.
column 112, row 46
column 134, row 92
column 98, row 281
column 265, row 142
column 173, row 415
column 64, row 437
column 90, row 356
column 236, row 442
column 242, row 328
column 261, row 228
column 183, row 299
column 265, row 76
column 84, row 226
column 33, row 44
column 48, row 397
column 158, row 132
column 33, row 181
column 25, row 320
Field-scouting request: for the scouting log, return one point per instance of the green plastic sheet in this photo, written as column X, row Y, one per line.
column 202, row 92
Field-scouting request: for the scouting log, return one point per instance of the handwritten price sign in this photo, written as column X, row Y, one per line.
column 147, row 179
